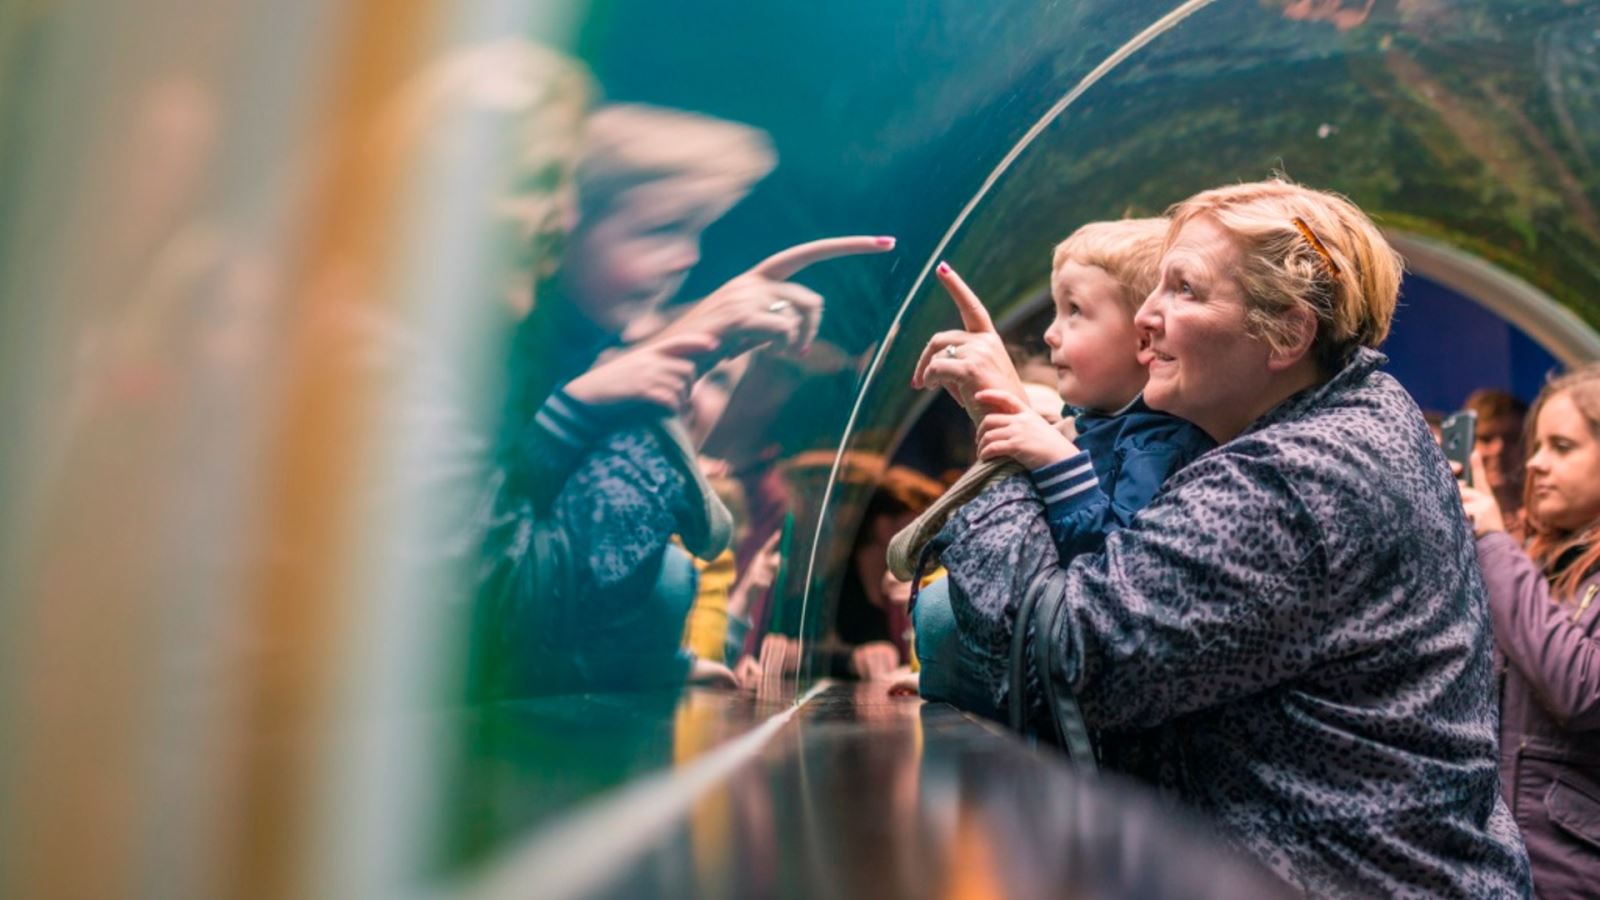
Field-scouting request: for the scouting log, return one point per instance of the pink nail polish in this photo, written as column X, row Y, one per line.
column 885, row 241
column 944, row 268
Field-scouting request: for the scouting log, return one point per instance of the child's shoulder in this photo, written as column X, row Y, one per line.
column 1145, row 429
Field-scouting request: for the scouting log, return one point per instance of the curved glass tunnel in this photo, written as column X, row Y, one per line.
column 279, row 281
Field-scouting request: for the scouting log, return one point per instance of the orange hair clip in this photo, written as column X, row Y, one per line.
column 1317, row 245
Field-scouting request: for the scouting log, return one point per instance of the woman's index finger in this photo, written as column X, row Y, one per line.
column 974, row 316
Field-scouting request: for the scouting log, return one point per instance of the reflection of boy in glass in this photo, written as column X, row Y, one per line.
column 576, row 484
column 595, row 473
column 649, row 182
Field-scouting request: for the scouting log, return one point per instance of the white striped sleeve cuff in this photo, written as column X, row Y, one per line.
column 1067, row 482
column 568, row 421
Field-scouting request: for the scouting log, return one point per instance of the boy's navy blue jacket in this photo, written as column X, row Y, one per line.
column 1122, row 461
column 579, row 587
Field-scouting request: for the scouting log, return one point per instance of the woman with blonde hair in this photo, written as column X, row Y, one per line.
column 1297, row 614
column 1547, row 631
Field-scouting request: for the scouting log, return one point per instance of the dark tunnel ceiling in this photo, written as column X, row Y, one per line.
column 1475, row 123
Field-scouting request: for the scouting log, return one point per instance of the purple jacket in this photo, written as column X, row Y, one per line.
column 1549, row 718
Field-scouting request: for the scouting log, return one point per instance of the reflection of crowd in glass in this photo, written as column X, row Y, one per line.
column 1238, row 570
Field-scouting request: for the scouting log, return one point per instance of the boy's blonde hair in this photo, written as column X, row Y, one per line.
column 1128, row 250
column 1343, row 270
column 631, row 144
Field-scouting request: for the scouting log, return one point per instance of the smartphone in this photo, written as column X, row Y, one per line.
column 1457, row 436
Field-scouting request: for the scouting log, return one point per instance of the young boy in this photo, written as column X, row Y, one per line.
column 1091, row 485
column 1124, row 451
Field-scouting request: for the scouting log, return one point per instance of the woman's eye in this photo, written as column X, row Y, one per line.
column 1185, row 288
column 1072, row 309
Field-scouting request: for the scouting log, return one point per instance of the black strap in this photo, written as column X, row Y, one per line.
column 1063, row 708
column 1017, row 675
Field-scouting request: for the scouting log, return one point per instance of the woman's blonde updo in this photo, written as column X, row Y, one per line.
column 1344, row 271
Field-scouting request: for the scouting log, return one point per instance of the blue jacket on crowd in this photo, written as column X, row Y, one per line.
column 1124, row 457
column 1301, row 611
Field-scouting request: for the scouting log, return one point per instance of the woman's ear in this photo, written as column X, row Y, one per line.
column 1303, row 325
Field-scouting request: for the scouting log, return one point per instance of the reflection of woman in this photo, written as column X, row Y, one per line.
column 1547, row 627
column 1298, row 609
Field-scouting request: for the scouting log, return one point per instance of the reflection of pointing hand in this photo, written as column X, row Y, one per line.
column 763, row 307
column 968, row 361
column 785, row 264
column 660, row 372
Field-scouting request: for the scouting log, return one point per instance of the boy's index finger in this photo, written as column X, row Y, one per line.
column 974, row 316
column 1000, row 401
column 685, row 345
column 783, row 265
